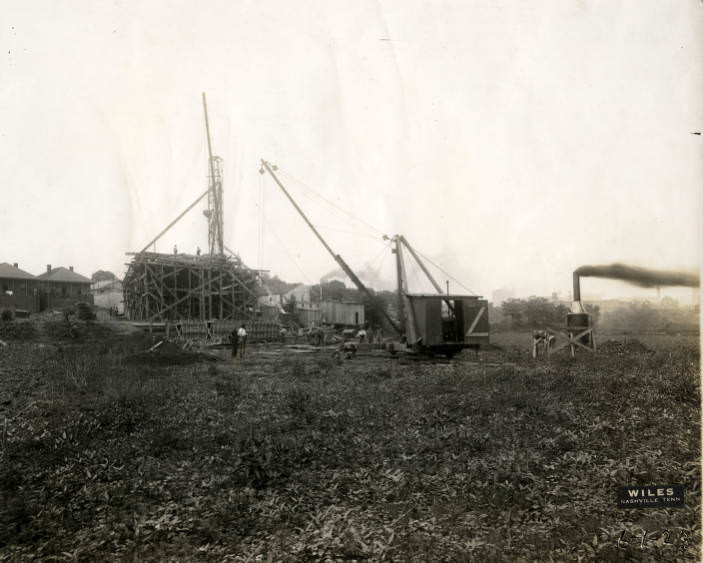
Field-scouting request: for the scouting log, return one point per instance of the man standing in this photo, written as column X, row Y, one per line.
column 242, row 337
column 234, row 340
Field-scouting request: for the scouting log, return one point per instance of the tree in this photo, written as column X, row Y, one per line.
column 515, row 309
column 103, row 275
column 277, row 286
column 374, row 308
column 535, row 312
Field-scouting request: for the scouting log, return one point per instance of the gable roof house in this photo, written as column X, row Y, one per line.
column 62, row 287
column 18, row 289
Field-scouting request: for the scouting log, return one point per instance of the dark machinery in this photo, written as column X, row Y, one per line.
column 427, row 323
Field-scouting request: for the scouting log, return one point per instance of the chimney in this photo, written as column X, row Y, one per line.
column 576, row 306
column 70, row 268
column 577, row 287
column 16, row 265
column 48, row 268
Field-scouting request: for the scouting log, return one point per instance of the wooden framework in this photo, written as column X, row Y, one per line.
column 584, row 339
column 161, row 287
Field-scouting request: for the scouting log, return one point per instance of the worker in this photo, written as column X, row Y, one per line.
column 242, row 336
column 283, row 334
column 234, row 340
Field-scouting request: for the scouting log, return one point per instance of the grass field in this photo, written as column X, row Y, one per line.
column 108, row 453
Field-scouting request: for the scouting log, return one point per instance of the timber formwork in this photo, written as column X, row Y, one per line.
column 169, row 287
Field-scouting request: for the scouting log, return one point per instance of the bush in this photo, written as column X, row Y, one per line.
column 6, row 315
column 85, row 312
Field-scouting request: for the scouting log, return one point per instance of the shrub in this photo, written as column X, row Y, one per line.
column 6, row 315
column 85, row 312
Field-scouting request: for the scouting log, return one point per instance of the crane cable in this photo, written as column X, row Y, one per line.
column 285, row 248
column 327, row 201
column 308, row 188
column 446, row 273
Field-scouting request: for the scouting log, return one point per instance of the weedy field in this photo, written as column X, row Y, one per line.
column 112, row 454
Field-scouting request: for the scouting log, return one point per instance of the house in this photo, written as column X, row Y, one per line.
column 62, row 287
column 108, row 294
column 18, row 289
column 343, row 313
column 308, row 316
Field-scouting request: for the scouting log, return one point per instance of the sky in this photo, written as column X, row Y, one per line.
column 510, row 142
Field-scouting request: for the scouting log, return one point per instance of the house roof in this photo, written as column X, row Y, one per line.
column 107, row 284
column 9, row 271
column 62, row 274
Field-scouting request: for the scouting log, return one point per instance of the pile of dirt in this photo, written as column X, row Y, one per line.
column 14, row 330
column 623, row 347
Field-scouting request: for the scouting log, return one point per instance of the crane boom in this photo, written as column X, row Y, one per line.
column 342, row 264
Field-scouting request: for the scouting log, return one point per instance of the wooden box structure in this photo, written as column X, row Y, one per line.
column 578, row 334
column 160, row 287
column 446, row 323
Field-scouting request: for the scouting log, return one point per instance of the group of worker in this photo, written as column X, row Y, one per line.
column 238, row 339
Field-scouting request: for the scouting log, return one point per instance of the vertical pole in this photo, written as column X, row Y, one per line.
column 215, row 214
column 202, row 293
column 233, row 298
column 176, row 271
column 209, row 290
column 399, row 276
column 220, row 293
column 161, row 282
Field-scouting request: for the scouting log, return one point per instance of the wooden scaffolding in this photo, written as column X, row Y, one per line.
column 180, row 287
column 162, row 287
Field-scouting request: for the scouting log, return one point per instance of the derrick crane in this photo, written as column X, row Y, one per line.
column 427, row 323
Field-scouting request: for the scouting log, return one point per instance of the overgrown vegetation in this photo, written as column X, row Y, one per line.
column 298, row 458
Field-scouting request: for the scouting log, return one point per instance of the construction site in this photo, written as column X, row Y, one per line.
column 216, row 420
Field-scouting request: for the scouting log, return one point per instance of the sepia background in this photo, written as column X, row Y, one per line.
column 510, row 142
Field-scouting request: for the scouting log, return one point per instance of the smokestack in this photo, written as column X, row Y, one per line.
column 16, row 265
column 576, row 306
column 48, row 268
column 70, row 268
column 577, row 287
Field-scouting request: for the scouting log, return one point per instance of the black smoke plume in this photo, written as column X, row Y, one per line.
column 643, row 277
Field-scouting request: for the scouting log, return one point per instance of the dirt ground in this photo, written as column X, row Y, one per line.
column 110, row 452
